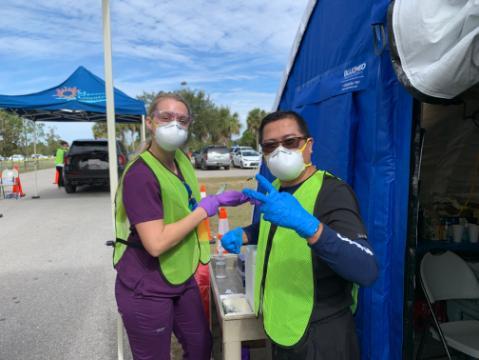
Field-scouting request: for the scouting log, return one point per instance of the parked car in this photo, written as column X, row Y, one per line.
column 86, row 163
column 236, row 148
column 193, row 157
column 1, row 158
column 17, row 157
column 214, row 156
column 38, row 156
column 247, row 159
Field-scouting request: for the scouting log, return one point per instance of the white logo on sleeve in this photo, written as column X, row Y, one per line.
column 362, row 248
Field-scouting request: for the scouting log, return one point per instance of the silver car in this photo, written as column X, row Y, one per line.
column 17, row 157
column 213, row 157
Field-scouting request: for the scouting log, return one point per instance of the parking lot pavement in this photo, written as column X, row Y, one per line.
column 56, row 275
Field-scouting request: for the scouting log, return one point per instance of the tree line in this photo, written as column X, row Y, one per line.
column 212, row 125
column 17, row 136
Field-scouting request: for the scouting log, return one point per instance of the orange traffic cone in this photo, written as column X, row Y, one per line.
column 17, row 188
column 202, row 275
column 223, row 228
column 57, row 175
column 206, row 221
column 203, row 191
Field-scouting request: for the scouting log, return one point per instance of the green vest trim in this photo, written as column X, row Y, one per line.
column 179, row 263
column 285, row 295
column 60, row 156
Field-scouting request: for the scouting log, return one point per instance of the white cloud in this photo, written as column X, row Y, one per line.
column 243, row 100
column 234, row 50
column 242, row 27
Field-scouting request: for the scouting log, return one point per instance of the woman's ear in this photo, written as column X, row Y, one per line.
column 149, row 124
column 311, row 141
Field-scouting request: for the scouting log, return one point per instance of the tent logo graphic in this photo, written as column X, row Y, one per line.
column 354, row 70
column 74, row 93
column 68, row 93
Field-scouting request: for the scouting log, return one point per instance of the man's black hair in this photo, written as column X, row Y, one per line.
column 280, row 115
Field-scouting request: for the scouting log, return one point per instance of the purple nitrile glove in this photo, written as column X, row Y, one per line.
column 211, row 203
column 235, row 198
column 232, row 198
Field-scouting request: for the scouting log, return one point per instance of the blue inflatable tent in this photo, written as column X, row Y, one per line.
column 340, row 78
column 81, row 97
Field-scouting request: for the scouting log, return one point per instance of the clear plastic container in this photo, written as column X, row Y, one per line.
column 220, row 265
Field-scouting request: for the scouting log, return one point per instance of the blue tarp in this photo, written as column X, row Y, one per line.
column 81, row 97
column 360, row 118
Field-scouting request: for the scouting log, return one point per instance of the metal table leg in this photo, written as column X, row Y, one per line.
column 232, row 350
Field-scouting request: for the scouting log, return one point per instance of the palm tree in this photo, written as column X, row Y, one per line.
column 253, row 122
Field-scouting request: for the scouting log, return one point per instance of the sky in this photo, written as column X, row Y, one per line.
column 236, row 51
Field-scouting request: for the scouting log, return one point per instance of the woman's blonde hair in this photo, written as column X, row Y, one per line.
column 152, row 108
column 167, row 96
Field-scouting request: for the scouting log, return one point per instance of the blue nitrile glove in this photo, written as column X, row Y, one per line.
column 232, row 241
column 282, row 209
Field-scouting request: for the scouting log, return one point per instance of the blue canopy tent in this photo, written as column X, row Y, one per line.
column 340, row 78
column 81, row 97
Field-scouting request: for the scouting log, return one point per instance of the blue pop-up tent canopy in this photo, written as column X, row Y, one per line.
column 340, row 78
column 81, row 97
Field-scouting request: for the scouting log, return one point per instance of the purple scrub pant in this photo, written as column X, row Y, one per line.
column 149, row 322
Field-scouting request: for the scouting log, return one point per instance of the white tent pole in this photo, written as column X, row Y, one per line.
column 110, row 105
column 110, row 121
column 35, row 196
column 143, row 129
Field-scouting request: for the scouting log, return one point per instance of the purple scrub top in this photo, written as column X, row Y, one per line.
column 138, row 270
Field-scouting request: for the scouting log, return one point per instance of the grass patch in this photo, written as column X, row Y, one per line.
column 27, row 165
column 237, row 216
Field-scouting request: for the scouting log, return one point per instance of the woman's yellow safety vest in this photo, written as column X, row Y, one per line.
column 179, row 263
column 285, row 289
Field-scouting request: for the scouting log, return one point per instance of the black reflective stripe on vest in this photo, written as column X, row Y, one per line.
column 315, row 258
column 131, row 244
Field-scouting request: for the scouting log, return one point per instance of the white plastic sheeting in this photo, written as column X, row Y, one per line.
column 437, row 45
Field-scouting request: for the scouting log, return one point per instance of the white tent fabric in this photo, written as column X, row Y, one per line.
column 437, row 45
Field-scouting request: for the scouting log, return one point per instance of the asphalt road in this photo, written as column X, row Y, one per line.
column 56, row 276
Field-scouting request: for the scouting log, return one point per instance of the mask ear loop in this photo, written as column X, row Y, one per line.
column 301, row 150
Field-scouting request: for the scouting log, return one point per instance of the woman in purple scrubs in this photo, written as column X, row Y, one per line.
column 152, row 308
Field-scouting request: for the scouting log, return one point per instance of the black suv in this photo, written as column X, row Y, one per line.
column 86, row 163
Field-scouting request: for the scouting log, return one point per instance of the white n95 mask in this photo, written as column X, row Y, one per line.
column 171, row 136
column 286, row 164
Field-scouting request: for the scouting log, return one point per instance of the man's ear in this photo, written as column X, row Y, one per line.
column 311, row 142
